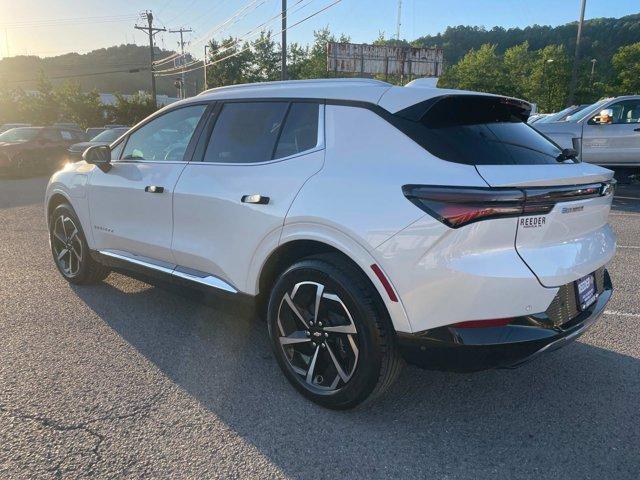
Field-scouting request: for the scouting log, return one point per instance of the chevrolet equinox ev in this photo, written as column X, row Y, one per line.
column 370, row 223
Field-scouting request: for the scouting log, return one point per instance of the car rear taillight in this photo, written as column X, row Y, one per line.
column 494, row 322
column 459, row 206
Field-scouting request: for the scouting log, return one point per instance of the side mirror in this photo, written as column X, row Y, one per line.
column 605, row 117
column 98, row 155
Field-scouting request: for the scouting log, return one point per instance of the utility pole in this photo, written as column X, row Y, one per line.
column 283, row 60
column 399, row 20
column 576, row 58
column 151, row 31
column 205, row 66
column 182, row 43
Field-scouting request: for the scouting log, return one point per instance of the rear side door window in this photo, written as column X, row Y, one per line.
column 254, row 132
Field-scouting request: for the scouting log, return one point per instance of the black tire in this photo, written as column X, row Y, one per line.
column 82, row 268
column 370, row 368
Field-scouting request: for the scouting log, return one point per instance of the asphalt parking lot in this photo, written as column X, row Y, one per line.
column 130, row 380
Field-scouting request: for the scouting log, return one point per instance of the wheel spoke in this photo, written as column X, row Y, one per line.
column 345, row 378
column 59, row 237
column 73, row 234
column 295, row 337
column 319, row 291
column 295, row 310
column 312, row 366
column 77, row 255
column 64, row 229
column 347, row 329
column 62, row 253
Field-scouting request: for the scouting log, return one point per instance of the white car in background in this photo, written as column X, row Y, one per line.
column 606, row 133
column 368, row 223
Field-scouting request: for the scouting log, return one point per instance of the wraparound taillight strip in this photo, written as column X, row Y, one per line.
column 459, row 206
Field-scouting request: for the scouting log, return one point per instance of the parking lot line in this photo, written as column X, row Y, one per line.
column 622, row 314
column 628, row 246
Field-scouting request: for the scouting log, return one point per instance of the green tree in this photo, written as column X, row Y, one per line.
column 550, row 78
column 129, row 111
column 85, row 109
column 265, row 59
column 236, row 66
column 42, row 106
column 518, row 65
column 480, row 70
column 626, row 63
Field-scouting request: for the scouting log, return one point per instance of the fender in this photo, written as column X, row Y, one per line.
column 71, row 183
column 338, row 240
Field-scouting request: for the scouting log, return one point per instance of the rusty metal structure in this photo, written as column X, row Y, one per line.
column 384, row 60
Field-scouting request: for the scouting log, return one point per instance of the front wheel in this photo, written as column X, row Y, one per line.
column 331, row 336
column 70, row 250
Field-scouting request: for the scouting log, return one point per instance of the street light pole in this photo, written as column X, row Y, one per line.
column 576, row 58
column 593, row 69
column 548, row 61
column 205, row 66
column 283, row 60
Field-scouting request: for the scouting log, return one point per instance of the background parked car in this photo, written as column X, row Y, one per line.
column 31, row 150
column 606, row 133
column 106, row 137
column 9, row 126
column 93, row 131
column 562, row 115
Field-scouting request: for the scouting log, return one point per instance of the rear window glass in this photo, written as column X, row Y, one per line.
column 479, row 130
column 300, row 130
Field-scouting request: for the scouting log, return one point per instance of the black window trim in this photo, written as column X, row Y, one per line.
column 188, row 154
column 207, row 130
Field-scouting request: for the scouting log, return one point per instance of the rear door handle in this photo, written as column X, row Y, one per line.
column 257, row 199
column 153, row 189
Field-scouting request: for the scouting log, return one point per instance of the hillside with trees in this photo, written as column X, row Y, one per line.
column 128, row 66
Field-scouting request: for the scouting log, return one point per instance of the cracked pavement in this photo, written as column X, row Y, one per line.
column 128, row 380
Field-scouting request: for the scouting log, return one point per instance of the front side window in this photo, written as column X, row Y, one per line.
column 51, row 135
column 166, row 137
column 253, row 132
column 479, row 130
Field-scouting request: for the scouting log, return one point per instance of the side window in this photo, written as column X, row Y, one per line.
column 627, row 111
column 67, row 135
column 50, row 135
column 164, row 138
column 116, row 151
column 246, row 132
column 300, row 130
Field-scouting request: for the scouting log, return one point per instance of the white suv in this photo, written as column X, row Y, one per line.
column 371, row 222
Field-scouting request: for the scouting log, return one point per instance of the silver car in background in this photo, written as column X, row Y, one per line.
column 605, row 133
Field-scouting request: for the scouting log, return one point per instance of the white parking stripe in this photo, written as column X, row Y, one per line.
column 622, row 314
column 628, row 246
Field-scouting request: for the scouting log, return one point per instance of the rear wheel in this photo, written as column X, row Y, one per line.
column 70, row 250
column 331, row 337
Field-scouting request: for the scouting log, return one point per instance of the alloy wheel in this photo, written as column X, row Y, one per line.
column 67, row 247
column 318, row 337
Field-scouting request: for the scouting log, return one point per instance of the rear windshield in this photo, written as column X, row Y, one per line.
column 479, row 130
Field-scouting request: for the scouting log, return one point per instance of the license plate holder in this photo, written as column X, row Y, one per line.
column 586, row 293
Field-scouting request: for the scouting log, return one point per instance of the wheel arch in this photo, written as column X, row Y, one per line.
column 297, row 245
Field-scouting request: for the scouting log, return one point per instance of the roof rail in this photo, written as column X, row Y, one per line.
column 322, row 81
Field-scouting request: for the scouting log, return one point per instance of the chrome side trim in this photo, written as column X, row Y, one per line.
column 208, row 280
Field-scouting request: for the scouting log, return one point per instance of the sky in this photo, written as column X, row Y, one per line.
column 53, row 27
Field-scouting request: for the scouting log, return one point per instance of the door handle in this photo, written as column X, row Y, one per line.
column 153, row 189
column 257, row 199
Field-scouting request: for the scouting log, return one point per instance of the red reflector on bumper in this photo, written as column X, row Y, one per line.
column 493, row 322
column 385, row 283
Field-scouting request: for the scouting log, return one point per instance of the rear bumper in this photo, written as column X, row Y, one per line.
column 474, row 349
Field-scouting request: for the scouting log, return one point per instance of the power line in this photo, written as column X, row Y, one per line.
column 80, row 75
column 244, row 37
column 249, row 47
column 67, row 21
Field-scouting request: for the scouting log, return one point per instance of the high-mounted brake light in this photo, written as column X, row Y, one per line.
column 459, row 206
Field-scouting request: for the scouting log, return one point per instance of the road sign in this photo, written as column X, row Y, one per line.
column 384, row 60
